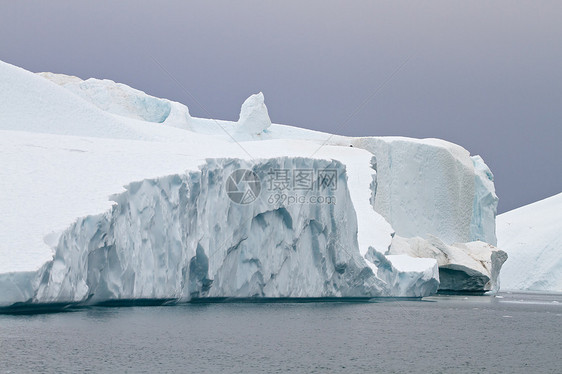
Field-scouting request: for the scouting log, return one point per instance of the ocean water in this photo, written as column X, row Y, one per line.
column 512, row 333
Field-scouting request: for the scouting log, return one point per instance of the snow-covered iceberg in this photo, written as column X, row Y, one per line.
column 175, row 231
column 173, row 237
column 532, row 237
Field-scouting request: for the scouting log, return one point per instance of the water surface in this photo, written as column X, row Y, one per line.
column 513, row 333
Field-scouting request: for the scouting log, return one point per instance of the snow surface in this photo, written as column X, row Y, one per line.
column 71, row 231
column 532, row 237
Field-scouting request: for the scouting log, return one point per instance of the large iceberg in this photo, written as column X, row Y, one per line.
column 111, row 194
column 173, row 237
column 532, row 237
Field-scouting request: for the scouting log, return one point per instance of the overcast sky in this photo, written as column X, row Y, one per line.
column 485, row 75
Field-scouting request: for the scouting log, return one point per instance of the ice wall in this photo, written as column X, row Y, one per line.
column 181, row 237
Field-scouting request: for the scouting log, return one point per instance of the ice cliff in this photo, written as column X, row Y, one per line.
column 173, row 238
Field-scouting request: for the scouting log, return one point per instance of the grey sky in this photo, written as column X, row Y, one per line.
column 485, row 75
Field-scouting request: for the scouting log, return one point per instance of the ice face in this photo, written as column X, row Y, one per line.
column 174, row 237
column 423, row 187
column 482, row 224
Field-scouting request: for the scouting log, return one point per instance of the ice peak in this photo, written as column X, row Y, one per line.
column 254, row 118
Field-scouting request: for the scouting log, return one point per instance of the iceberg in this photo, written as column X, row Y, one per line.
column 173, row 237
column 140, row 200
column 531, row 236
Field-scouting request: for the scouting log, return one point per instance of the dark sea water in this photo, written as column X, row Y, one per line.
column 513, row 333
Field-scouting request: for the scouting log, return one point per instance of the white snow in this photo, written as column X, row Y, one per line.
column 69, row 146
column 532, row 237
